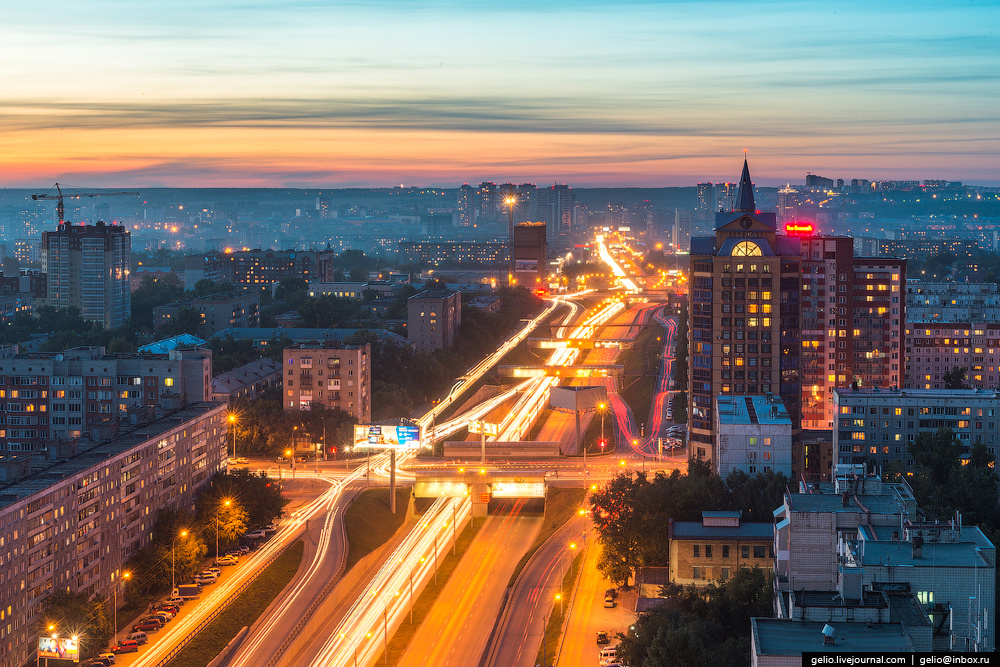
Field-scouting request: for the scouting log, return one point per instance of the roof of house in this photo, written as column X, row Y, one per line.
column 782, row 636
column 244, row 376
column 168, row 344
column 752, row 409
column 694, row 530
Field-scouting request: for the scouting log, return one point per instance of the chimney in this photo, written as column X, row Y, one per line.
column 918, row 545
column 845, row 499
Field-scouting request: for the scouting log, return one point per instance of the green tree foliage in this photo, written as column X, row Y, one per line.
column 255, row 499
column 263, row 427
column 229, row 353
column 955, row 378
column 152, row 293
column 207, row 287
column 632, row 513
column 89, row 618
column 177, row 542
column 696, row 627
column 187, row 320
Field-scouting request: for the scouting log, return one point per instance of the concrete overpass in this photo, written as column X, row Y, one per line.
column 481, row 484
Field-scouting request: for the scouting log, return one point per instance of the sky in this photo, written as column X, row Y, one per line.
column 305, row 93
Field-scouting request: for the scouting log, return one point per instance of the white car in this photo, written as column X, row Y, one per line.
column 256, row 535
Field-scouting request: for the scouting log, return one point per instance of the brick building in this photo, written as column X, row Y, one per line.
column 714, row 548
column 936, row 348
column 433, row 318
column 336, row 376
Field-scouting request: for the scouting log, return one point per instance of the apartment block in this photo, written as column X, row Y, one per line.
column 754, row 435
column 486, row 253
column 928, row 302
column 334, row 375
column 711, row 550
column 88, row 268
column 218, row 311
column 74, row 524
column 530, row 254
column 936, row 348
column 84, row 391
column 255, row 268
column 433, row 318
column 876, row 426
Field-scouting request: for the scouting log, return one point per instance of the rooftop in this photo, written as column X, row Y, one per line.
column 884, row 503
column 298, row 334
column 933, row 554
column 752, row 409
column 245, row 375
column 923, row 394
column 696, row 530
column 775, row 636
column 93, row 454
column 167, row 344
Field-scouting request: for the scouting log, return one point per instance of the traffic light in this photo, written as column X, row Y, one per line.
column 333, row 450
column 602, row 443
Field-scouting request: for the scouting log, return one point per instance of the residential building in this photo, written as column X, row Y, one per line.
column 744, row 317
column 433, row 318
column 928, row 302
column 88, row 268
column 555, row 209
column 76, row 522
column 246, row 382
column 66, row 395
column 487, row 253
column 936, row 348
column 530, row 254
column 218, row 311
column 255, row 268
column 267, row 337
column 853, row 326
column 776, row 642
column 28, row 251
column 329, row 374
column 346, row 290
column 711, row 550
column 922, row 248
column 33, row 284
column 754, row 434
column 876, row 426
column 466, row 205
column 487, row 204
column 154, row 273
column 680, row 237
column 705, row 209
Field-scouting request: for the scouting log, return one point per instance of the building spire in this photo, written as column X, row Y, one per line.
column 744, row 202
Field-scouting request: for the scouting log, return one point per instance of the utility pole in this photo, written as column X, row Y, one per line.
column 392, row 481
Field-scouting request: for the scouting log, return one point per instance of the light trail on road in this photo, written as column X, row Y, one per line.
column 186, row 628
column 361, row 635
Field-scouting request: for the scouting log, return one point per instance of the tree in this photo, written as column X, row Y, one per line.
column 359, row 274
column 186, row 321
column 69, row 613
column 955, row 379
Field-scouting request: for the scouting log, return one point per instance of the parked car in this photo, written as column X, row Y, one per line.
column 138, row 637
column 603, row 638
column 126, row 646
column 256, row 535
column 102, row 662
column 270, row 528
column 227, row 560
column 611, row 593
column 204, row 581
column 169, row 608
column 242, row 460
column 175, row 600
column 147, row 625
column 162, row 616
column 216, row 571
column 107, row 655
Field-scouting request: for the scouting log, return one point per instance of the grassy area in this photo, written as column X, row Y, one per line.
column 641, row 366
column 554, row 627
column 561, row 505
column 425, row 601
column 243, row 611
column 370, row 524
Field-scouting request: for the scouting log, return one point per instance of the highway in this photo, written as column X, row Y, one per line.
column 467, row 606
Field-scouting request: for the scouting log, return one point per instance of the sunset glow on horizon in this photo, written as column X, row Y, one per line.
column 592, row 93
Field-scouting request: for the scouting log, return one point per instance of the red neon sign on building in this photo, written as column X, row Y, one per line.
column 799, row 229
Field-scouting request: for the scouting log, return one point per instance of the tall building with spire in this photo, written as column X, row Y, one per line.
column 744, row 318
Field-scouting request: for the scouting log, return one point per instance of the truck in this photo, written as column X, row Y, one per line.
column 187, row 591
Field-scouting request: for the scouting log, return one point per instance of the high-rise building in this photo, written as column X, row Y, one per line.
column 487, row 205
column 527, row 203
column 88, row 268
column 744, row 317
column 329, row 374
column 788, row 204
column 555, row 209
column 680, row 238
column 705, row 208
column 466, row 205
column 725, row 196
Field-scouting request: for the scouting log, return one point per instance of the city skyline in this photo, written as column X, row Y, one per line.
column 304, row 94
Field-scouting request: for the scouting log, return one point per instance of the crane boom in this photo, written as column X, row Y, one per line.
column 60, row 208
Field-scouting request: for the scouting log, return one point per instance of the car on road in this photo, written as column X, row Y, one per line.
column 227, row 560
column 242, row 460
column 603, row 638
column 256, row 535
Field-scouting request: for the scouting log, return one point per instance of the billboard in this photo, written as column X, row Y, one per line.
column 386, row 436
column 59, row 648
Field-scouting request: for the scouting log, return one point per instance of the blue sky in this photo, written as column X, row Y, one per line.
column 374, row 93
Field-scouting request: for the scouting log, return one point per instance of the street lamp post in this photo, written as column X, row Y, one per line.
column 510, row 201
column 173, row 560
column 232, row 423
column 324, row 441
column 114, row 589
column 217, row 512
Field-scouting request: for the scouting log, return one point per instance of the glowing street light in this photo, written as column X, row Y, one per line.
column 173, row 559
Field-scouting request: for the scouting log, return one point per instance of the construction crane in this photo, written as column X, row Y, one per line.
column 61, row 209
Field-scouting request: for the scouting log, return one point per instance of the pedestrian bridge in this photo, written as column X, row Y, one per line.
column 482, row 484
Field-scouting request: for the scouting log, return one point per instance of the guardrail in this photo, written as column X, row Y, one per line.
column 222, row 607
column 311, row 609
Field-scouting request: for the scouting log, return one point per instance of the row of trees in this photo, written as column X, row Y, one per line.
column 264, row 427
column 632, row 512
column 227, row 507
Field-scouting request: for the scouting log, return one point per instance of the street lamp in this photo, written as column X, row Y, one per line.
column 114, row 589
column 173, row 560
column 218, row 509
column 231, row 418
